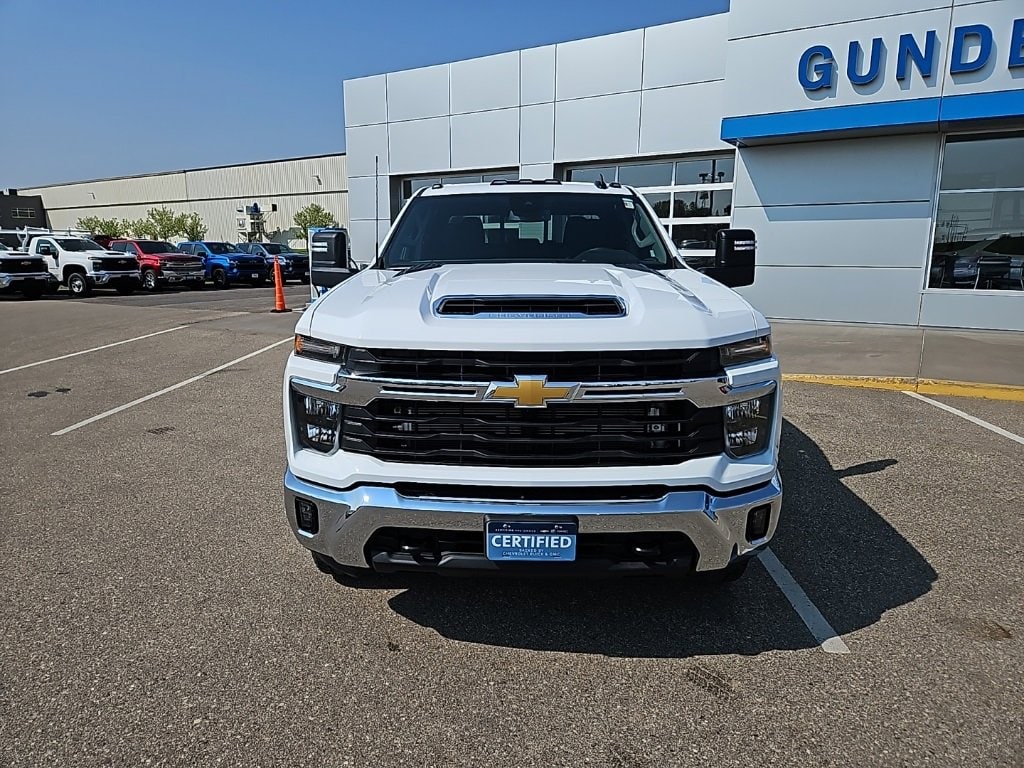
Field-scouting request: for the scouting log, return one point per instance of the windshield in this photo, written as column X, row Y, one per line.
column 78, row 244
column 551, row 227
column 276, row 248
column 156, row 246
column 221, row 248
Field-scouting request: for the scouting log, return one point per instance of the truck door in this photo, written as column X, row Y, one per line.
column 46, row 248
column 330, row 260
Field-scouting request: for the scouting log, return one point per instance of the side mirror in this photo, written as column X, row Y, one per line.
column 45, row 250
column 734, row 257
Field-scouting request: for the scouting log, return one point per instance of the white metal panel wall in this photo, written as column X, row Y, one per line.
column 752, row 18
column 154, row 188
column 313, row 175
column 645, row 92
column 839, row 238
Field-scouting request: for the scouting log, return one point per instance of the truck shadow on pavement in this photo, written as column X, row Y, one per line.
column 853, row 565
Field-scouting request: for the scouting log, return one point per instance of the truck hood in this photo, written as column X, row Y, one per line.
column 674, row 309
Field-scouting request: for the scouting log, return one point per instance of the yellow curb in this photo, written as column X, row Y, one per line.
column 914, row 384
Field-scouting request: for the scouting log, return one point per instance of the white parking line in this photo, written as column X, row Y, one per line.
column 827, row 638
column 973, row 419
column 92, row 349
column 165, row 390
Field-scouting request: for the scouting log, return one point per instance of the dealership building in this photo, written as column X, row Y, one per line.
column 877, row 148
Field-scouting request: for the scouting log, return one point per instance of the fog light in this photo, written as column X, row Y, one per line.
column 748, row 426
column 757, row 522
column 306, row 516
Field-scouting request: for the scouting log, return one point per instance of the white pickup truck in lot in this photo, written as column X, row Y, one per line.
column 81, row 264
column 529, row 379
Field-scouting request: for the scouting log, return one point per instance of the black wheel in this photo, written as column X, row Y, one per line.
column 32, row 291
column 125, row 289
column 732, row 572
column 78, row 286
column 149, row 280
column 220, row 278
column 343, row 574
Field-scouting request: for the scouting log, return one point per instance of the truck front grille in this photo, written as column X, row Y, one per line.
column 604, row 366
column 114, row 264
column 16, row 266
column 571, row 434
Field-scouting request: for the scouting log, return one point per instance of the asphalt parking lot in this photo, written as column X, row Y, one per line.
column 156, row 610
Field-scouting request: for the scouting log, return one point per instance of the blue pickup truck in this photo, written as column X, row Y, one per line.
column 225, row 264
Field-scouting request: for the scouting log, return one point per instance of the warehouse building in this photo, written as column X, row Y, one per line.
column 877, row 148
column 219, row 195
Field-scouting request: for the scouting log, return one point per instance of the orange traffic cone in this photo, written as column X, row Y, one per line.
column 278, row 289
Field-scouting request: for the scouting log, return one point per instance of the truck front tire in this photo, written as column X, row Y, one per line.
column 220, row 278
column 78, row 285
column 149, row 281
column 343, row 574
column 32, row 292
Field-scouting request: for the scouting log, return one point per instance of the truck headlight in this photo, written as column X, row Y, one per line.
column 318, row 349
column 317, row 421
column 748, row 426
column 745, row 351
column 97, row 265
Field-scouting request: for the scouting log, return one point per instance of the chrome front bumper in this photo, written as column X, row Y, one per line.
column 17, row 279
column 102, row 278
column 716, row 525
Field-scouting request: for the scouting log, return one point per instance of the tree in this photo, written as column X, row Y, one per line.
column 192, row 227
column 166, row 223
column 313, row 216
column 143, row 229
column 98, row 226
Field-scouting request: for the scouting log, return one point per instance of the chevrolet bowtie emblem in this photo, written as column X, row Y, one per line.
column 530, row 392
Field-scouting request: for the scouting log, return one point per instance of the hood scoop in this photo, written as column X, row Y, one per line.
column 530, row 307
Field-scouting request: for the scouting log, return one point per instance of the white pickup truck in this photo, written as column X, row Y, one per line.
column 81, row 264
column 530, row 379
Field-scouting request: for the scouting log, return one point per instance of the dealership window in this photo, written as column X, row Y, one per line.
column 979, row 225
column 692, row 196
column 409, row 186
column 23, row 213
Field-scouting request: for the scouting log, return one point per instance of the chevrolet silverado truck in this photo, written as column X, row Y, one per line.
column 225, row 264
column 22, row 273
column 161, row 264
column 529, row 379
column 81, row 264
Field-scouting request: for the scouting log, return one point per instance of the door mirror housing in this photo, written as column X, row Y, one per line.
column 734, row 257
column 45, row 250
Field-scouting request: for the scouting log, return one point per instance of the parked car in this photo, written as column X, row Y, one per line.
column 294, row 266
column 225, row 264
column 160, row 263
column 22, row 273
column 82, row 264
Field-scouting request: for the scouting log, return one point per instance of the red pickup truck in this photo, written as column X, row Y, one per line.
column 160, row 263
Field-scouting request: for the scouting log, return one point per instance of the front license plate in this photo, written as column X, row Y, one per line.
column 540, row 540
column 255, row 274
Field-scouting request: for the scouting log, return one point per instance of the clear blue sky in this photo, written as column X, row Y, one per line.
column 116, row 87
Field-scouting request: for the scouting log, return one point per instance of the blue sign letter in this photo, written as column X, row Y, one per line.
column 958, row 66
column 877, row 46
column 824, row 71
column 1017, row 44
column 925, row 62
